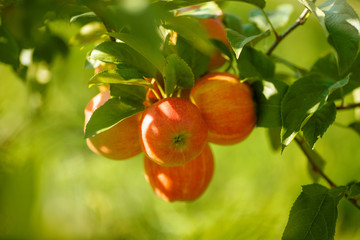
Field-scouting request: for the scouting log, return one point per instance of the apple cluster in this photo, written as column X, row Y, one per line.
column 174, row 132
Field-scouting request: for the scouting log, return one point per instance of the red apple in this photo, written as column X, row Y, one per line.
column 119, row 142
column 183, row 183
column 227, row 106
column 172, row 131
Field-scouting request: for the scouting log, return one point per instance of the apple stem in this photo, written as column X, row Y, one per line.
column 161, row 90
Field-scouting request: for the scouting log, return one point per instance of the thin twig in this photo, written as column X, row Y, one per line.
column 300, row 21
column 348, row 106
column 307, row 150
column 270, row 23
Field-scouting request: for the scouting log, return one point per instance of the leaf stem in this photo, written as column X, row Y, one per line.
column 305, row 147
column 300, row 21
column 270, row 23
column 348, row 106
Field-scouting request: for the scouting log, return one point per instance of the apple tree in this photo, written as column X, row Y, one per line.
column 147, row 53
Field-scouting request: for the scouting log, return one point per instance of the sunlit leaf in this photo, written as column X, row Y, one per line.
column 128, row 76
column 342, row 27
column 205, row 10
column 84, row 18
column 109, row 114
column 121, row 53
column 314, row 213
column 171, row 5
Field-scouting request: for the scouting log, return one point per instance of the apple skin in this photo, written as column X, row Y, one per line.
column 227, row 106
column 182, row 183
column 119, row 142
column 172, row 131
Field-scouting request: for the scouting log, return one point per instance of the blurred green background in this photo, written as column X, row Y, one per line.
column 53, row 187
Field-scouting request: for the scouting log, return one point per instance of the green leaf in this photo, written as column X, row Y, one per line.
column 128, row 76
column 343, row 26
column 171, row 5
column 177, row 74
column 223, row 48
column 146, row 49
column 131, row 93
column 355, row 126
column 268, row 94
column 314, row 213
column 319, row 122
column 274, row 137
column 253, row 63
column 109, row 114
column 233, row 22
column 197, row 61
column 239, row 41
column 302, row 100
column 278, row 17
column 206, row 10
column 9, row 48
column 327, row 66
column 84, row 18
column 120, row 53
column 354, row 81
column 250, row 29
column 354, row 191
column 190, row 29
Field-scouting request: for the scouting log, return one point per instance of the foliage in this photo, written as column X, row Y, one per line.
column 300, row 104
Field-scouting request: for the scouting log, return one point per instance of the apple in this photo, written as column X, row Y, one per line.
column 119, row 142
column 182, row 183
column 227, row 106
column 172, row 131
